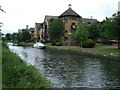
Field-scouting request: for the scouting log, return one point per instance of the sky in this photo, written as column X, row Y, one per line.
column 20, row 13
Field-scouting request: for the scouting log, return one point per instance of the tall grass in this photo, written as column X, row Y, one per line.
column 16, row 73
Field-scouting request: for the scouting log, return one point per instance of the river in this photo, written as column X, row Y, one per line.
column 71, row 70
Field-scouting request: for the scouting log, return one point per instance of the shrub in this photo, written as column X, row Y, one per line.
column 59, row 44
column 27, row 41
column 88, row 44
column 53, row 43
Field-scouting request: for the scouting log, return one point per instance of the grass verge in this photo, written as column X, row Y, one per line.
column 92, row 51
column 16, row 73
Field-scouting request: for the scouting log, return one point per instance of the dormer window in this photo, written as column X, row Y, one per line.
column 89, row 23
column 32, row 31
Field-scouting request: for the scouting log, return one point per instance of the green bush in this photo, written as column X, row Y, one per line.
column 88, row 44
column 27, row 41
column 59, row 44
column 53, row 43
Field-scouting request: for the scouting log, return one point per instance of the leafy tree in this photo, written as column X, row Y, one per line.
column 81, row 34
column 106, row 29
column 8, row 36
column 33, row 38
column 19, row 36
column 116, row 25
column 110, row 28
column 93, row 31
column 25, row 35
column 56, row 29
column 14, row 36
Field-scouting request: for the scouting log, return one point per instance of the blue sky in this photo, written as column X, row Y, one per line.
column 20, row 13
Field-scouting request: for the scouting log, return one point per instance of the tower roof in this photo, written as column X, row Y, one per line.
column 70, row 12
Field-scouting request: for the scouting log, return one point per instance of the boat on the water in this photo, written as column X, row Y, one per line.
column 39, row 45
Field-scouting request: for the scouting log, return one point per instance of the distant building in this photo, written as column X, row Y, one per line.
column 19, row 30
column 31, row 31
column 38, row 31
column 47, row 20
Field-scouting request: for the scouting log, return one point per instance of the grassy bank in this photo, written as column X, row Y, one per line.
column 16, row 74
column 99, row 49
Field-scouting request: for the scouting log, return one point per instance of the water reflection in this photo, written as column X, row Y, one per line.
column 70, row 70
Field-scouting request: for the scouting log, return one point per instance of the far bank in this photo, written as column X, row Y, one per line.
column 88, row 52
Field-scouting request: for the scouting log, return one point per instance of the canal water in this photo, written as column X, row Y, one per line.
column 71, row 70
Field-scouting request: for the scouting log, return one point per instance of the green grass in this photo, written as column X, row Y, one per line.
column 17, row 74
column 106, row 46
column 92, row 51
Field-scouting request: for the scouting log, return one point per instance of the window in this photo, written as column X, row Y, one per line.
column 89, row 23
column 73, row 18
column 65, row 31
column 73, row 26
column 66, row 18
column 32, row 31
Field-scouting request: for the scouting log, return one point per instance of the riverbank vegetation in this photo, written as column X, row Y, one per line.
column 17, row 74
column 110, row 50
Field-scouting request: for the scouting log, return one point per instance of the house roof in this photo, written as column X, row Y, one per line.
column 31, row 29
column 70, row 12
column 48, row 17
column 39, row 25
column 90, row 20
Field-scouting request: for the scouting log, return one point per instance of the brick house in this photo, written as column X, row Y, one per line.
column 38, row 31
column 70, row 17
column 31, row 31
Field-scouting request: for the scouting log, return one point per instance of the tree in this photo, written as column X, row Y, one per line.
column 81, row 33
column 93, row 31
column 106, row 29
column 110, row 28
column 19, row 36
column 14, row 36
column 56, row 29
column 116, row 26
column 8, row 36
column 26, row 35
column 33, row 38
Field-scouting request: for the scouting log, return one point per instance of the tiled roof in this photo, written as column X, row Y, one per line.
column 70, row 12
column 90, row 20
column 48, row 17
column 39, row 25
